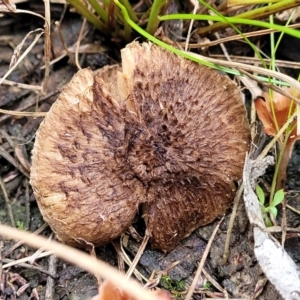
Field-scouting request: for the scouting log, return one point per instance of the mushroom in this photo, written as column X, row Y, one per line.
column 165, row 134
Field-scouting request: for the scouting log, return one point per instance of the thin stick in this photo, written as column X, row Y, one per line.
column 29, row 266
column 138, row 255
column 231, row 223
column 49, row 294
column 201, row 264
column 19, row 244
column 196, row 6
column 24, row 259
column 47, row 45
column 82, row 260
column 80, row 37
column 7, row 202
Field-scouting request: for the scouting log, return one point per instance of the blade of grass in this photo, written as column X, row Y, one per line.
column 99, row 10
column 213, row 63
column 83, row 10
column 257, row 13
column 233, row 20
column 130, row 11
column 153, row 18
column 256, row 51
column 249, row 2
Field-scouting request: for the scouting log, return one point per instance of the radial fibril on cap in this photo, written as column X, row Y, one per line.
column 171, row 137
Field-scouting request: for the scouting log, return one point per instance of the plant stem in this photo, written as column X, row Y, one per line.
column 233, row 20
column 281, row 165
column 153, row 18
column 99, row 10
column 83, row 10
column 130, row 11
column 260, row 12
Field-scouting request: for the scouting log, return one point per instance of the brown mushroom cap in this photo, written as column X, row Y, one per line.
column 166, row 133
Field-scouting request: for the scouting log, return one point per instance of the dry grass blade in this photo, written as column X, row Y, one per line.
column 236, row 37
column 80, row 259
column 21, row 85
column 12, row 161
column 201, row 264
column 244, row 68
column 47, row 44
column 26, row 259
column 23, row 113
column 138, row 255
column 19, row 244
column 7, row 202
column 254, row 60
column 15, row 63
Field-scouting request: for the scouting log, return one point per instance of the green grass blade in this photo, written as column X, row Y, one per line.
column 233, row 20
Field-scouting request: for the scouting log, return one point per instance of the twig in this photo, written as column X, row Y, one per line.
column 81, row 259
column 47, row 45
column 21, row 85
column 61, row 36
column 49, row 294
column 80, row 37
column 27, row 205
column 293, row 209
column 7, row 202
column 121, row 252
column 12, row 161
column 196, row 6
column 138, row 255
column 201, row 264
column 212, row 281
column 19, row 244
column 1, row 247
column 29, row 266
column 24, row 259
column 231, row 223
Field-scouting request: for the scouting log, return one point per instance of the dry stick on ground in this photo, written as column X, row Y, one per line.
column 293, row 209
column 7, row 202
column 19, row 244
column 8, row 261
column 80, row 37
column 21, row 85
column 1, row 247
column 12, row 161
column 82, row 260
column 201, row 264
column 138, row 255
column 123, row 255
column 256, row 61
column 231, row 223
column 11, row 263
column 49, row 294
column 196, row 6
column 27, row 204
column 235, row 37
column 62, row 39
column 212, row 280
column 47, row 45
column 16, row 63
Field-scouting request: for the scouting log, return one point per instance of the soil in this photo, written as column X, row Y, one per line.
column 241, row 277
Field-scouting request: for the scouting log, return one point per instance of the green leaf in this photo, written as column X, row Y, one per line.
column 260, row 194
column 273, row 211
column 278, row 198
